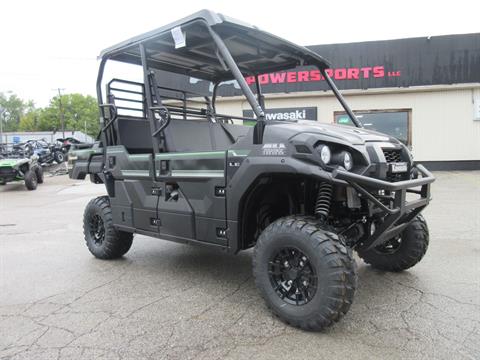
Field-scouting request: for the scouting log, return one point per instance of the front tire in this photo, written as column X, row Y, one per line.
column 402, row 252
column 39, row 173
column 31, row 180
column 305, row 273
column 102, row 239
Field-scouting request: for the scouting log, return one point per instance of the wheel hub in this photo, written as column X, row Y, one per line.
column 97, row 229
column 292, row 276
column 390, row 247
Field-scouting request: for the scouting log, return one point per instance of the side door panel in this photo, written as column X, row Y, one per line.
column 199, row 179
column 135, row 203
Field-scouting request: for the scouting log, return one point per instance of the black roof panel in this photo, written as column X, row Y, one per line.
column 255, row 51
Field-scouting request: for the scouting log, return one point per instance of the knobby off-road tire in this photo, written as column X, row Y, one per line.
column 31, row 181
column 101, row 237
column 403, row 252
column 59, row 157
column 39, row 173
column 316, row 257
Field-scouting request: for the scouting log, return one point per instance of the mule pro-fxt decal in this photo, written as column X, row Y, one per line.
column 274, row 149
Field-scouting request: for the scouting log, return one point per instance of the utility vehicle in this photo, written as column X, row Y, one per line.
column 47, row 153
column 21, row 168
column 304, row 194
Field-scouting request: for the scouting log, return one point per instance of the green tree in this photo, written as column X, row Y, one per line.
column 29, row 122
column 80, row 111
column 15, row 108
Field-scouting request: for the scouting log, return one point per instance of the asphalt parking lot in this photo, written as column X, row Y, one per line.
column 171, row 301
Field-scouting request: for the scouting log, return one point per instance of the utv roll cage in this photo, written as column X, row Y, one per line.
column 206, row 46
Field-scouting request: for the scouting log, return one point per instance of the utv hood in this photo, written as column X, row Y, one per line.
column 342, row 133
column 8, row 163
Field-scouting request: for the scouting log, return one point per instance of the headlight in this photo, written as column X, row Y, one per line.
column 347, row 160
column 344, row 159
column 325, row 154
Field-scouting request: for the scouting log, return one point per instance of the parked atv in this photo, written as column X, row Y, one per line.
column 304, row 194
column 41, row 149
column 47, row 153
column 21, row 169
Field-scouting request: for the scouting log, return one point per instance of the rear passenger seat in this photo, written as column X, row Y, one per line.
column 180, row 135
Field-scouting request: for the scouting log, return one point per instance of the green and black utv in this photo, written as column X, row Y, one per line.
column 303, row 194
column 21, row 168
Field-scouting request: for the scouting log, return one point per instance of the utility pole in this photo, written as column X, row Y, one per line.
column 2, row 111
column 62, row 113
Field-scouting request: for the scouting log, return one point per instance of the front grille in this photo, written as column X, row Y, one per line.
column 392, row 155
column 6, row 171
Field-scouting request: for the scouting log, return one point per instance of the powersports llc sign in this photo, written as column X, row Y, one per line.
column 296, row 113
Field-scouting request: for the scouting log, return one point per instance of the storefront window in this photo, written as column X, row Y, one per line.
column 391, row 122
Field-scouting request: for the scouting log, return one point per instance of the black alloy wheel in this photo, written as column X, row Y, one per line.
column 401, row 252
column 390, row 247
column 293, row 276
column 305, row 272
column 102, row 238
column 97, row 229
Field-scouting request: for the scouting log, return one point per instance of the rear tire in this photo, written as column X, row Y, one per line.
column 31, row 180
column 39, row 173
column 400, row 253
column 305, row 273
column 101, row 237
column 59, row 157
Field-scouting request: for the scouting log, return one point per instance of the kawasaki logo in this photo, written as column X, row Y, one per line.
column 300, row 113
column 293, row 115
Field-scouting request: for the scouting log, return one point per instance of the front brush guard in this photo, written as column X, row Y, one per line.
column 399, row 212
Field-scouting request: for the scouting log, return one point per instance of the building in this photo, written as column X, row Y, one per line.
column 425, row 91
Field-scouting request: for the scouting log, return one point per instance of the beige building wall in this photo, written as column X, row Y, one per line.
column 442, row 124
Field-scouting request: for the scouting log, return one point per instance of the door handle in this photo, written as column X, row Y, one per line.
column 171, row 192
column 164, row 167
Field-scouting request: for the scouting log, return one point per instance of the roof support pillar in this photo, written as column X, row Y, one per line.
column 232, row 65
column 148, row 94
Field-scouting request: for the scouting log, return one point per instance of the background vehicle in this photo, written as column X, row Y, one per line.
column 21, row 168
column 41, row 149
column 47, row 153
column 303, row 194
column 70, row 142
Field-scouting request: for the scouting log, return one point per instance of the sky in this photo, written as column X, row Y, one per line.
column 49, row 44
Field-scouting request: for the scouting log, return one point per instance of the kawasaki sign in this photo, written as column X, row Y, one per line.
column 296, row 113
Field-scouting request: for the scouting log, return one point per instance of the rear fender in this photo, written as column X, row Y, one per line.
column 83, row 162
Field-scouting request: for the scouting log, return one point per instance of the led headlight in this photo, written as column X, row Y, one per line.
column 325, row 154
column 347, row 161
column 344, row 159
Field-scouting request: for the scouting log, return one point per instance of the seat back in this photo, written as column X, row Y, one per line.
column 188, row 136
column 180, row 135
column 199, row 135
column 134, row 133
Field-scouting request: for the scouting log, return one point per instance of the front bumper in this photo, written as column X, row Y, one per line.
column 8, row 174
column 390, row 199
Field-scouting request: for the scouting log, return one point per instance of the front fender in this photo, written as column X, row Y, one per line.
column 254, row 167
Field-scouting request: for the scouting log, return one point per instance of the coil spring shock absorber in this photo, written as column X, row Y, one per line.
column 324, row 199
